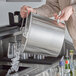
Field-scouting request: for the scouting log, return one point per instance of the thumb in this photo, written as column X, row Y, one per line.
column 62, row 13
column 62, row 16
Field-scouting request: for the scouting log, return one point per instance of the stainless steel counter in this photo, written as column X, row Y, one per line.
column 32, row 70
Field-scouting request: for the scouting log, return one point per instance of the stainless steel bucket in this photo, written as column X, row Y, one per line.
column 43, row 35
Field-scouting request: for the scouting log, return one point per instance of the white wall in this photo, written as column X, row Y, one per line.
column 6, row 7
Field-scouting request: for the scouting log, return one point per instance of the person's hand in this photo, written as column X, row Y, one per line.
column 24, row 9
column 65, row 14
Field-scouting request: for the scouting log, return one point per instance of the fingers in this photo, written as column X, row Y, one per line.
column 67, row 12
column 23, row 11
column 61, row 17
column 56, row 16
column 65, row 16
column 61, row 25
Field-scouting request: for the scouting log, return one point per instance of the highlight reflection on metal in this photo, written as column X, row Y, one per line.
column 43, row 35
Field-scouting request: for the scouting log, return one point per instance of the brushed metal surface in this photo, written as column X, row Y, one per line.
column 43, row 35
column 33, row 70
column 1, row 49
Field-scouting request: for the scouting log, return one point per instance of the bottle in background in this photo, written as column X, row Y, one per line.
column 71, row 63
column 74, row 67
column 67, row 64
column 61, row 64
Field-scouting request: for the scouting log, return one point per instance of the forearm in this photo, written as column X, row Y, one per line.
column 74, row 8
column 46, row 10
